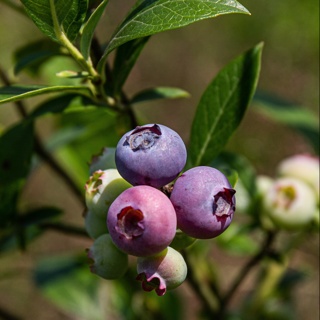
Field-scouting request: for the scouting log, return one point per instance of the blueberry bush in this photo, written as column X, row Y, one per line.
column 157, row 214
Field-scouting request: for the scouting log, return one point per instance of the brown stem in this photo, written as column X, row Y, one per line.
column 64, row 228
column 264, row 251
column 41, row 151
column 208, row 309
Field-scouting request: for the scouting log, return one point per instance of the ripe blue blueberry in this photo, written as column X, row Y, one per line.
column 204, row 202
column 142, row 221
column 151, row 155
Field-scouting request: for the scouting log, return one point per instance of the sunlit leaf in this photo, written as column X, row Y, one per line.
column 149, row 17
column 67, row 14
column 16, row 93
column 223, row 105
column 159, row 93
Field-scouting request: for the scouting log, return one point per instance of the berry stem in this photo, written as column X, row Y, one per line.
column 264, row 251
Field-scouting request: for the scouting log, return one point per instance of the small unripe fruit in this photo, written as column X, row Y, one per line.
column 102, row 188
column 162, row 272
column 95, row 225
column 303, row 167
column 290, row 203
column 142, row 221
column 103, row 161
column 107, row 261
column 204, row 202
column 151, row 155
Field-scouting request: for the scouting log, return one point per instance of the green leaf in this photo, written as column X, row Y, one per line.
column 16, row 93
column 149, row 17
column 159, row 93
column 223, row 105
column 16, row 145
column 242, row 166
column 126, row 57
column 55, row 16
column 89, row 28
column 54, row 105
column 33, row 55
column 237, row 241
column 296, row 117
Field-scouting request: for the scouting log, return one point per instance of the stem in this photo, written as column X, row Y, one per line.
column 75, row 53
column 246, row 270
column 41, row 151
column 198, row 287
column 64, row 228
column 6, row 315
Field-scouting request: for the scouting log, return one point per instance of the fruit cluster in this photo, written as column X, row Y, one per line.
column 152, row 210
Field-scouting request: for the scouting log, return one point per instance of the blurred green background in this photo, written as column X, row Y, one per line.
column 187, row 58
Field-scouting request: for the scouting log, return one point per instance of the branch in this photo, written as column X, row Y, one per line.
column 264, row 251
column 198, row 288
column 64, row 228
column 40, row 149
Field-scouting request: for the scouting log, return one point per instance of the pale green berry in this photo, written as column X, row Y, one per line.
column 102, row 188
column 290, row 203
column 164, row 271
column 303, row 167
column 95, row 225
column 107, row 261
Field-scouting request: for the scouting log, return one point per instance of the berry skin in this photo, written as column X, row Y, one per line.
column 142, row 221
column 102, row 188
column 162, row 272
column 290, row 203
column 304, row 167
column 94, row 225
column 204, row 202
column 151, row 155
column 107, row 261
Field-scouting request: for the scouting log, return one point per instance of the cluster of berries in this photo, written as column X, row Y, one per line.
column 143, row 208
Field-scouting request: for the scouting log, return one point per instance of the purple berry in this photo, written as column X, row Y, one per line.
column 142, row 221
column 162, row 272
column 204, row 202
column 151, row 155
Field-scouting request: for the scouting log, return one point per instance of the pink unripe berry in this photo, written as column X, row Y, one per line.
column 162, row 272
column 142, row 221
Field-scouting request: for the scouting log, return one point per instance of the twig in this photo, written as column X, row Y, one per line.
column 197, row 287
column 246, row 270
column 64, row 228
column 40, row 149
column 6, row 315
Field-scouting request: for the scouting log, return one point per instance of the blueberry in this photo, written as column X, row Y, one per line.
column 161, row 272
column 142, row 221
column 151, row 155
column 106, row 260
column 204, row 202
